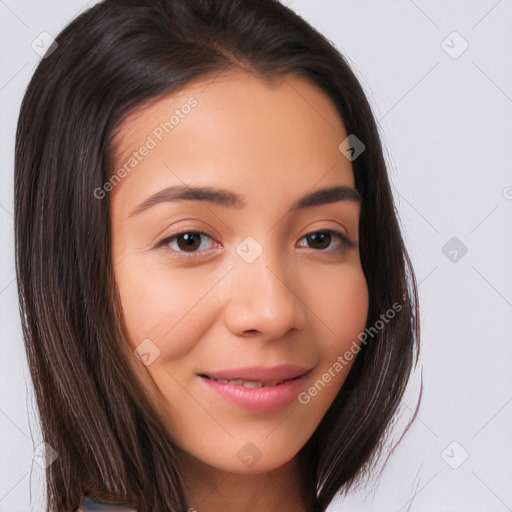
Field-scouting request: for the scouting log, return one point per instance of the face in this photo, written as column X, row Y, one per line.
column 254, row 280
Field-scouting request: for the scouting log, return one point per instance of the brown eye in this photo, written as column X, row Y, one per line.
column 322, row 240
column 319, row 240
column 189, row 241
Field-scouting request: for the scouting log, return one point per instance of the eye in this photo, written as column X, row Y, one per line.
column 185, row 242
column 321, row 240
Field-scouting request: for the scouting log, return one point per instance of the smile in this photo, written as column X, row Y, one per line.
column 257, row 389
column 250, row 383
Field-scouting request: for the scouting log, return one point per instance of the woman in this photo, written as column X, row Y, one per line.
column 218, row 307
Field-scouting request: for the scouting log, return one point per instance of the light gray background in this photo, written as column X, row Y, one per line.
column 446, row 124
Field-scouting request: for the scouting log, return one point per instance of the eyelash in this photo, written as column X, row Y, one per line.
column 346, row 243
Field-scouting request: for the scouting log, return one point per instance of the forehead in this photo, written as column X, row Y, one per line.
column 234, row 127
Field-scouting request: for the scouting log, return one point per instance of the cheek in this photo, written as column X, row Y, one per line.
column 344, row 311
column 348, row 308
column 343, row 307
column 161, row 305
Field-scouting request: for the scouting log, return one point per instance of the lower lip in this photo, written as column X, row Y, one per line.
column 258, row 399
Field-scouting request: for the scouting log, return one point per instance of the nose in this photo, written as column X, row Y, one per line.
column 264, row 299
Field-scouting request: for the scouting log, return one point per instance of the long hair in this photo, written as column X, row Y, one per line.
column 113, row 58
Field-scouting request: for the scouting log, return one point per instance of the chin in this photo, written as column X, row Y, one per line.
column 249, row 458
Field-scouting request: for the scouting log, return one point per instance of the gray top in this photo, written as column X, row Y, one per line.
column 93, row 504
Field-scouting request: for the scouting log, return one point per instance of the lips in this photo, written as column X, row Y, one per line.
column 258, row 376
column 256, row 388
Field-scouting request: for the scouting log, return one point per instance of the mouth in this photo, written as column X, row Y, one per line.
column 258, row 376
column 254, row 384
column 259, row 389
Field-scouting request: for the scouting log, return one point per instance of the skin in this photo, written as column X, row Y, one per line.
column 300, row 301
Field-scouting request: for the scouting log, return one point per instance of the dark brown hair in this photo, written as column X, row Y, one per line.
column 110, row 60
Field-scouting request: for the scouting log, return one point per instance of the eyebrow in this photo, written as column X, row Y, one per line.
column 230, row 199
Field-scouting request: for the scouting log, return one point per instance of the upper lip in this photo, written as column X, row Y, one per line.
column 265, row 375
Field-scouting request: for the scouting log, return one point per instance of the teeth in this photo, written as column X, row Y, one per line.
column 245, row 383
column 252, row 384
column 249, row 383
